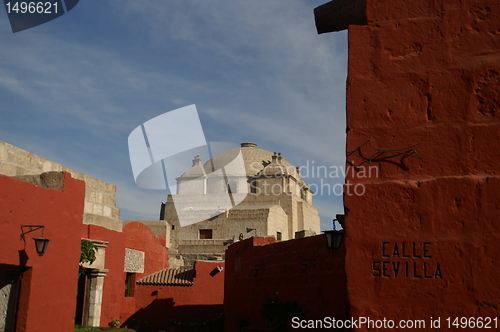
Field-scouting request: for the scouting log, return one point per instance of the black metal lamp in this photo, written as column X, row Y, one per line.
column 255, row 270
column 305, row 264
column 334, row 238
column 41, row 243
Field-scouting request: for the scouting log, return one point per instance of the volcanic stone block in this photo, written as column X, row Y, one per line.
column 359, row 64
column 444, row 150
column 490, row 209
column 474, row 31
column 429, row 246
column 425, row 232
column 50, row 180
column 484, row 157
column 410, row 46
column 450, row 96
column 487, row 90
column 381, row 10
column 398, row 102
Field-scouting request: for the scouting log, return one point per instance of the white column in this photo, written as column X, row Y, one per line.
column 95, row 297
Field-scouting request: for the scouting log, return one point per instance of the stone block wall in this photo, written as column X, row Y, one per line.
column 229, row 224
column 279, row 224
column 422, row 239
column 100, row 205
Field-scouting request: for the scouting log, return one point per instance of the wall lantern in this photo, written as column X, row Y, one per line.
column 334, row 238
column 255, row 270
column 217, row 270
column 305, row 264
column 41, row 243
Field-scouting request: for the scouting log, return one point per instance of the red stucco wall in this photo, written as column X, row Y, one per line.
column 320, row 290
column 49, row 286
column 47, row 299
column 139, row 237
column 201, row 302
column 423, row 239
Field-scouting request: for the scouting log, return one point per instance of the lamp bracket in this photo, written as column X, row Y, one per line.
column 31, row 228
column 341, row 219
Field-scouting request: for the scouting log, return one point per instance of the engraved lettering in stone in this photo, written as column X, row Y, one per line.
column 416, row 259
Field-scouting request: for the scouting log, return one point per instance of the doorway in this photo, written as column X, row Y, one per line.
column 9, row 293
column 82, row 300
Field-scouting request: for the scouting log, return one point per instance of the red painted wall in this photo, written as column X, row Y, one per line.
column 155, row 305
column 202, row 301
column 49, row 286
column 423, row 239
column 54, row 276
column 320, row 290
column 139, row 237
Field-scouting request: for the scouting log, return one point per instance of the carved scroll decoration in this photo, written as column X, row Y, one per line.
column 394, row 156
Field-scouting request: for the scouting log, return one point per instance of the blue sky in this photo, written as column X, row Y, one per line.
column 73, row 89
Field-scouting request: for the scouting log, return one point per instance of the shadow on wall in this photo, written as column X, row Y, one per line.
column 275, row 282
column 163, row 314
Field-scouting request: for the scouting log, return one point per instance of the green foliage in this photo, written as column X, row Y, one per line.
column 242, row 322
column 87, row 255
column 115, row 323
column 79, row 328
column 217, row 324
column 87, row 252
column 278, row 312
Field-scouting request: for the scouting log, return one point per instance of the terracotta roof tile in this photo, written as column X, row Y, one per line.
column 169, row 277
